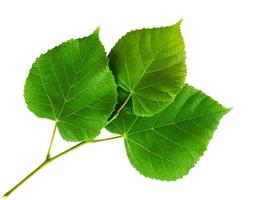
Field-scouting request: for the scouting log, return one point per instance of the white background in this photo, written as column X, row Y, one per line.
column 226, row 43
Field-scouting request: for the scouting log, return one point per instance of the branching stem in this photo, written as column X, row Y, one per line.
column 49, row 159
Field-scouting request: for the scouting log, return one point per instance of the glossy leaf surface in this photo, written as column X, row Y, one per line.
column 73, row 85
column 167, row 145
column 150, row 65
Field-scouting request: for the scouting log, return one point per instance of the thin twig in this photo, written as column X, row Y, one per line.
column 50, row 159
column 25, row 179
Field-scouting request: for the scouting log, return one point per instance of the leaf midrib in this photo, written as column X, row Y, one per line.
column 169, row 124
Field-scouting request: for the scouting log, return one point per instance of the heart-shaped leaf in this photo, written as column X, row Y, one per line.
column 73, row 85
column 149, row 64
column 167, row 145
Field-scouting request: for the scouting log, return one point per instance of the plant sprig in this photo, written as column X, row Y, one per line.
column 138, row 91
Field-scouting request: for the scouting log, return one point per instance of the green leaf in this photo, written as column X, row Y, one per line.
column 149, row 64
column 73, row 85
column 167, row 145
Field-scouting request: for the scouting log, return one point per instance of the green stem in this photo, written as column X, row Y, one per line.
column 51, row 142
column 50, row 159
column 25, row 179
column 81, row 144
column 116, row 114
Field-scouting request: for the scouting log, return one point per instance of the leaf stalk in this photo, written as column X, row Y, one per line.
column 51, row 142
column 49, row 159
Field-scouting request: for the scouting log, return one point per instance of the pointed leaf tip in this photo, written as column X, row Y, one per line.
column 96, row 31
column 83, row 101
column 153, row 81
column 179, row 22
column 228, row 110
column 171, row 142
